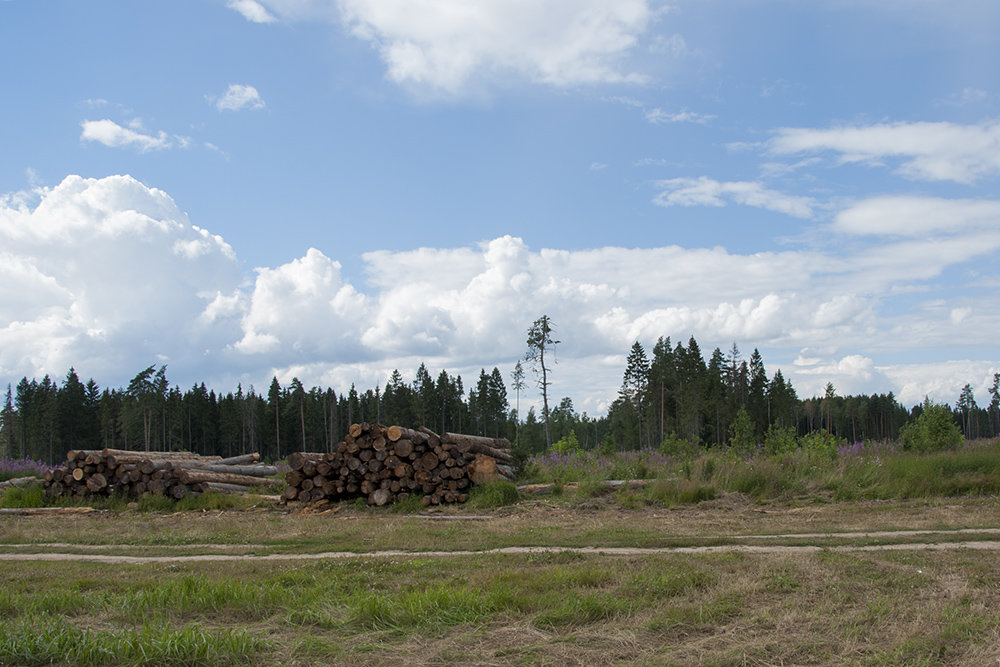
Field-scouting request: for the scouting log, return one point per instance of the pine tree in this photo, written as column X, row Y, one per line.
column 517, row 383
column 539, row 340
column 757, row 404
column 9, row 426
column 635, row 384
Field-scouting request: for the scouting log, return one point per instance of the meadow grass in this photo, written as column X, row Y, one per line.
column 863, row 471
column 862, row 608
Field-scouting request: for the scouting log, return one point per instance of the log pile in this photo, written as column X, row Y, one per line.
column 387, row 464
column 101, row 472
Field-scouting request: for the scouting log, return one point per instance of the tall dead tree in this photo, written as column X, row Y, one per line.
column 539, row 340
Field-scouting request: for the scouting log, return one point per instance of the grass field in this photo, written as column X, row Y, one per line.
column 835, row 605
column 869, row 557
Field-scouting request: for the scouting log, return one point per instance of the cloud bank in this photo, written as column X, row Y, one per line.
column 109, row 274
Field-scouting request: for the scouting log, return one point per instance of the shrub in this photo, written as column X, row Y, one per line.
column 822, row 443
column 779, row 440
column 933, row 430
column 566, row 445
column 741, row 434
column 679, row 448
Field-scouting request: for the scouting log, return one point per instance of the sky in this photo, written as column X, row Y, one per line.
column 331, row 190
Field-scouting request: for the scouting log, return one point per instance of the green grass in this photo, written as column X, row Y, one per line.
column 829, row 607
column 23, row 497
column 55, row 641
column 493, row 494
column 806, row 473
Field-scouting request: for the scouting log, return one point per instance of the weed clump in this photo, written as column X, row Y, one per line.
column 494, row 494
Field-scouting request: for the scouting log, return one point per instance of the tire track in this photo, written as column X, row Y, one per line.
column 512, row 551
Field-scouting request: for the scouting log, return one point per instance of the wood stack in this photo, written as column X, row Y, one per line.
column 100, row 472
column 385, row 464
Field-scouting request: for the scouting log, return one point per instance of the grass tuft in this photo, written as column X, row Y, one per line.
column 58, row 642
column 494, row 494
column 23, row 497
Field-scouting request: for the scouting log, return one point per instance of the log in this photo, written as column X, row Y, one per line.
column 433, row 439
column 81, row 454
column 252, row 470
column 121, row 457
column 207, row 487
column 149, row 466
column 380, row 497
column 428, row 461
column 403, row 448
column 297, row 460
column 460, row 438
column 19, row 482
column 486, row 469
column 195, row 476
column 395, row 433
column 242, row 459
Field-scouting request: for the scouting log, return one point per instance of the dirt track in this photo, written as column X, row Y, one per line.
column 986, row 545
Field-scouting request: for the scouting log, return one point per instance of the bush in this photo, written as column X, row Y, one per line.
column 934, row 430
column 822, row 443
column 678, row 447
column 779, row 440
column 566, row 445
column 741, row 434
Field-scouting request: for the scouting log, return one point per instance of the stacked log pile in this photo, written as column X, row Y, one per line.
column 101, row 472
column 387, row 464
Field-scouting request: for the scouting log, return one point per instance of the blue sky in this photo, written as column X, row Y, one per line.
column 331, row 190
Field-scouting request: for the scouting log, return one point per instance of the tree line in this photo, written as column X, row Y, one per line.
column 674, row 393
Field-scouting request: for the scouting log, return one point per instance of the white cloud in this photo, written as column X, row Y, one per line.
column 113, row 135
column 252, row 11
column 911, row 216
column 106, row 274
column 942, row 381
column 966, row 97
column 449, row 46
column 658, row 116
column 705, row 191
column 928, row 151
column 303, row 310
column 446, row 44
column 238, row 97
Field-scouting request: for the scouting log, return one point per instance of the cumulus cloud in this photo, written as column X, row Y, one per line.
column 705, row 191
column 109, row 274
column 105, row 273
column 238, row 97
column 926, row 151
column 446, row 46
column 113, row 135
column 303, row 310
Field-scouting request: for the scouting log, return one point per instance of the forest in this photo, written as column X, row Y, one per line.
column 672, row 398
